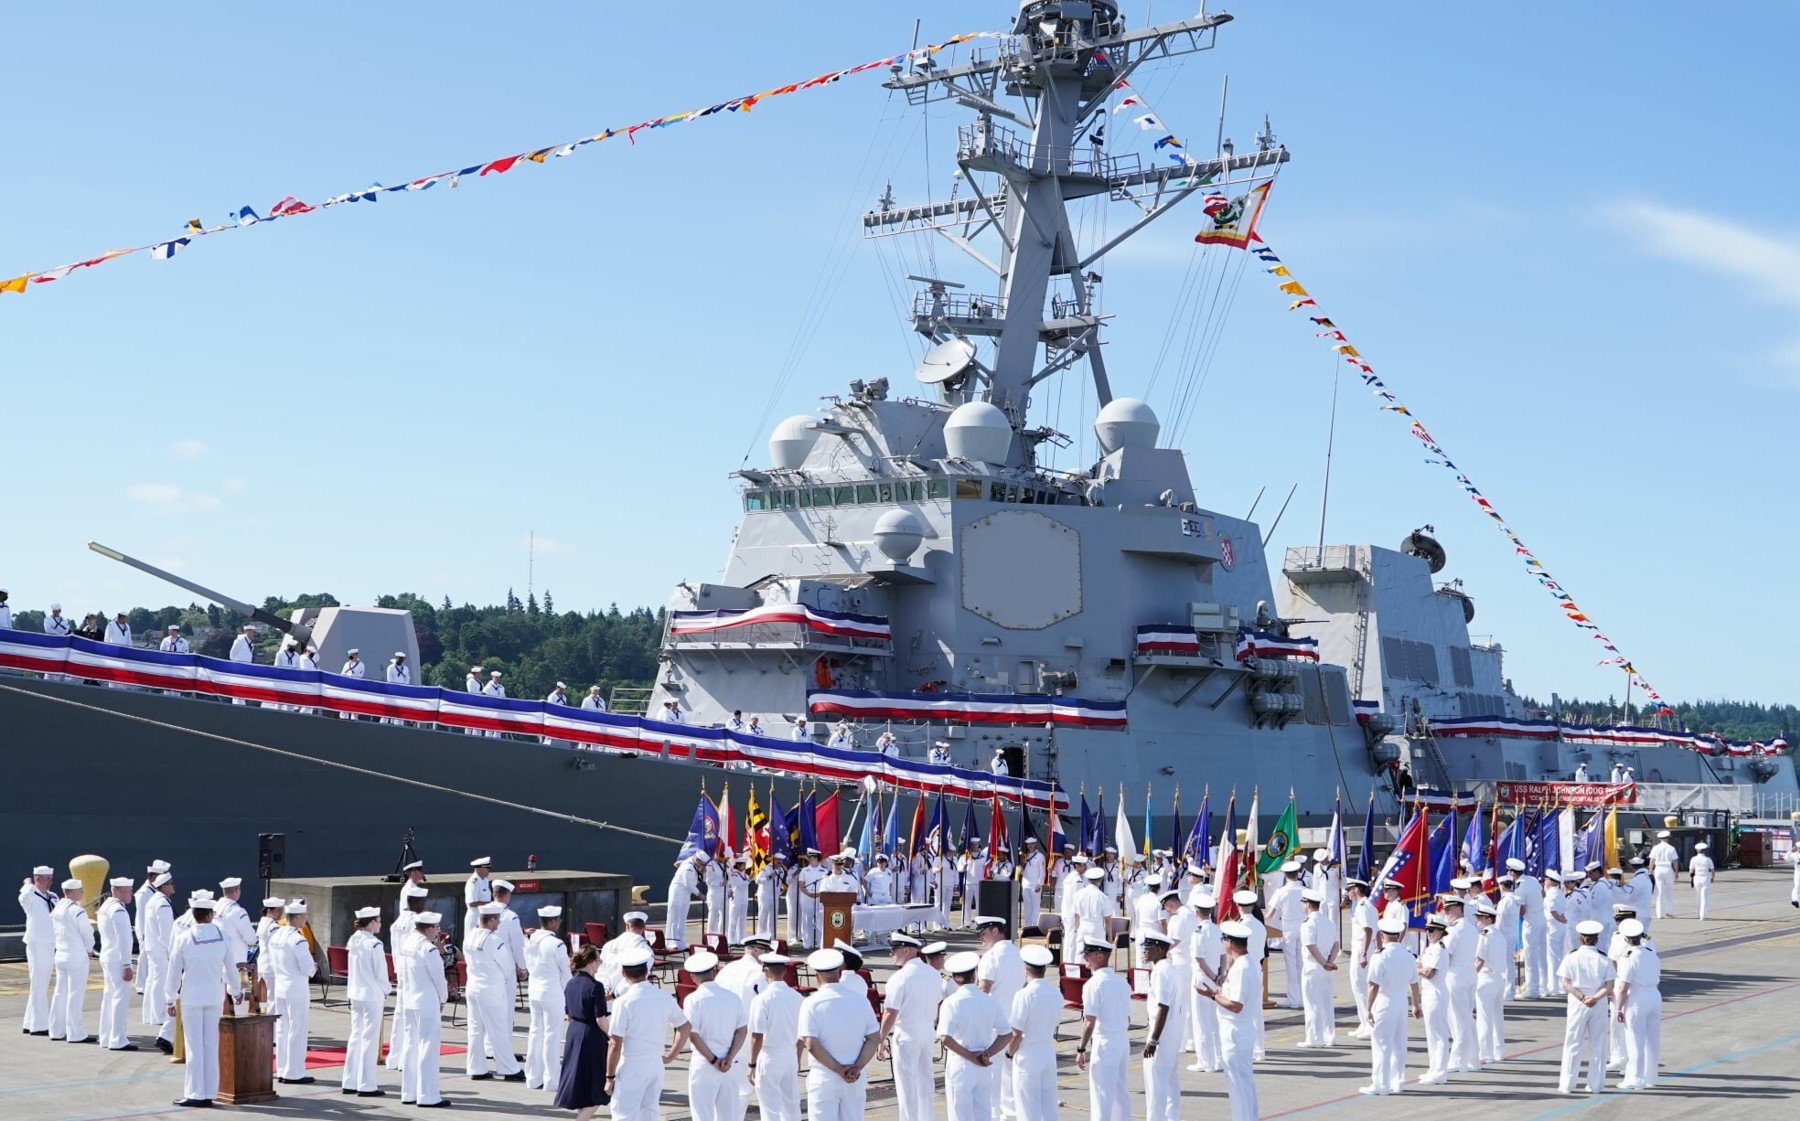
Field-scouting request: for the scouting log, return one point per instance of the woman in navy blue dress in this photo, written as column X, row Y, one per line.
column 583, row 1084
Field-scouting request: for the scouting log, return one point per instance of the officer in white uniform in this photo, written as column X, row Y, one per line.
column 74, row 948
column 423, row 993
column 1167, row 1015
column 1534, row 932
column 292, row 966
column 492, row 989
column 477, row 889
column 639, row 1023
column 115, row 966
column 201, row 976
column 156, row 925
column 368, row 989
column 1001, row 975
column 1031, row 882
column 1638, row 997
column 1105, row 1022
column 1240, row 1033
column 37, row 901
column 1035, row 1015
column 1391, row 907
column 1206, row 962
column 1286, row 912
column 973, row 1029
column 737, row 900
column 400, row 935
column 1557, row 908
column 1587, row 977
column 1700, row 875
column 1318, row 970
column 879, row 883
column 908, row 1020
column 1493, row 979
column 1393, row 990
column 1434, row 987
column 547, row 969
column 774, row 1020
column 1363, row 946
column 839, row 1031
column 718, row 1027
column 626, row 944
column 1460, row 944
column 768, row 897
column 682, row 886
column 744, row 978
column 1146, row 915
column 1664, row 859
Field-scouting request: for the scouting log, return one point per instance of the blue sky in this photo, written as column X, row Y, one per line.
column 1563, row 233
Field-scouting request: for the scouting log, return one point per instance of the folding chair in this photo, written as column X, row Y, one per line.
column 337, row 969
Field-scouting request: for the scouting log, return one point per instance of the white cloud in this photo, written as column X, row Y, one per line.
column 170, row 498
column 234, row 485
column 188, row 449
column 548, row 546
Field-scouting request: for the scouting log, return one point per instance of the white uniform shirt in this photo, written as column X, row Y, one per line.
column 1036, row 1012
column 232, row 919
column 1363, row 919
column 492, row 967
column 158, row 925
column 74, row 931
column 241, row 650
column 58, row 625
column 174, row 644
column 1701, row 866
column 879, row 887
column 743, row 979
column 355, row 668
column 641, row 1019
column 972, row 1018
column 119, row 634
column 200, row 970
column 1395, row 970
column 593, row 703
column 1107, row 998
column 1003, row 970
column 1316, row 932
column 1243, row 983
column 1169, row 988
column 37, row 905
column 1586, row 968
column 115, row 932
column 1207, row 945
column 913, row 994
column 494, row 689
column 287, row 658
column 399, row 674
column 514, row 934
column 425, row 989
column 291, row 962
column 840, row 1020
column 1091, row 909
column 1459, row 950
column 1664, row 856
column 716, row 1014
column 616, row 948
column 1286, row 909
column 547, row 962
column 1641, row 969
column 775, row 1015
column 368, row 968
column 476, row 891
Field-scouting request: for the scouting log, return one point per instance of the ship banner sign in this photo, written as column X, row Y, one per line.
column 1566, row 793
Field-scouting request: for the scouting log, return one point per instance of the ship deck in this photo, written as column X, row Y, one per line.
column 1730, row 1043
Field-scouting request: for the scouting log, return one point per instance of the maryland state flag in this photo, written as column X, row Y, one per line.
column 1233, row 221
column 756, row 832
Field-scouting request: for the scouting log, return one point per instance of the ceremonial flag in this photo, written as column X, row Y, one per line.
column 1199, row 842
column 1087, row 825
column 871, row 836
column 703, row 831
column 16, row 284
column 1335, row 851
column 999, row 844
column 289, row 206
column 727, row 827
column 1546, row 849
column 809, row 825
column 780, row 840
column 1026, row 830
column 915, row 840
column 890, row 834
column 1441, row 846
column 935, row 832
column 1227, row 840
column 1146, row 852
column 1225, row 882
column 831, row 839
column 1280, row 848
column 1493, row 853
column 756, row 831
column 1233, row 223
column 1176, row 852
column 969, row 826
column 1409, row 865
column 1252, row 850
column 246, row 216
column 168, row 249
column 1590, row 839
column 1474, row 842
column 1365, row 860
column 1122, row 837
column 1510, row 844
column 1058, row 839
column 1611, row 836
column 1565, row 841
column 501, row 167
column 1100, row 825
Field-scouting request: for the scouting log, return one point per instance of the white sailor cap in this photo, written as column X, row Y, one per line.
column 560, row 685
column 636, row 916
column 1095, row 946
column 121, row 881
column 1244, row 897
column 964, row 962
column 413, row 891
column 932, row 949
column 353, row 651
column 503, row 885
column 825, row 960
column 175, row 627
column 1095, row 874
column 1202, row 898
column 1485, row 908
column 489, row 909
column 1700, row 846
column 202, row 901
column 1594, row 866
column 1038, row 957
column 705, row 857
column 494, row 673
column 550, row 911
column 1292, row 867
column 1238, row 930
column 1154, row 879
column 399, row 653
column 1394, row 925
column 367, row 913
column 1589, row 927
column 774, row 961
column 1195, row 870
column 1632, row 928
column 1111, row 849
column 630, row 959
column 1158, row 937
column 1312, row 895
column 56, row 607
column 295, row 907
column 414, row 864
column 1078, row 858
column 273, row 902
column 1514, row 864
column 161, row 880
column 1637, row 862
column 249, row 628
column 1662, row 834
column 701, row 961
column 71, row 885
column 1553, row 875
column 230, row 882
column 158, row 866
column 481, row 862
column 428, row 918
column 988, row 920
column 899, row 938
column 475, row 669
column 43, row 870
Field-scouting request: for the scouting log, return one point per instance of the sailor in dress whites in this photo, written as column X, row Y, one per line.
column 1508, row 915
column 1206, row 967
column 1493, row 978
column 173, row 643
column 1587, row 977
column 1638, row 997
column 641, row 1020
column 1318, row 970
column 1534, row 932
column 115, row 966
column 1146, row 915
column 1393, row 990
column 626, row 944
column 424, row 992
column 494, row 691
column 879, row 884
column 472, row 683
column 811, row 910
column 768, row 897
column 839, row 1031
column 1166, row 1014
column 293, row 970
column 74, row 949
column 263, row 961
column 398, row 673
column 1031, row 882
column 593, row 702
column 492, row 989
column 1035, row 1014
column 1664, row 859
column 774, row 1062
column 353, row 665
column 908, row 1023
column 201, row 977
column 744, row 978
column 973, row 1029
column 477, row 889
column 156, row 925
column 548, row 973
column 718, row 1028
column 1105, row 1024
column 1001, row 974
column 55, row 625
column 1363, row 945
column 1286, row 912
column 682, row 887
column 713, row 874
column 1434, row 978
column 287, row 658
column 1240, row 1033
column 230, row 916
column 1700, row 875
column 1460, row 945
column 400, row 935
column 38, row 901
column 367, row 990
column 243, row 648
column 118, row 632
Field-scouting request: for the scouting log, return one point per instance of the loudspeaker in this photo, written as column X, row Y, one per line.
column 271, row 855
column 999, row 898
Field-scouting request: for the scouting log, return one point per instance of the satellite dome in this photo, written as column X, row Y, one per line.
column 978, row 431
column 792, row 440
column 898, row 534
column 1126, row 422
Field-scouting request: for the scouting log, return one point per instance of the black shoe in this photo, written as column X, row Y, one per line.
column 165, row 1046
column 488, row 1077
column 193, row 1103
column 347, row 1090
column 441, row 1103
column 89, row 1039
column 516, row 1076
column 127, row 1047
column 406, row 1101
column 371, row 1093
column 302, row 1081
column 44, row 1031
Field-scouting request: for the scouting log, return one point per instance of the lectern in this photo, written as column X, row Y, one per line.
column 247, row 1059
column 835, row 916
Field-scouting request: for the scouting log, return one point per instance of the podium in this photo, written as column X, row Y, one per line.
column 247, row 1059
column 835, row 919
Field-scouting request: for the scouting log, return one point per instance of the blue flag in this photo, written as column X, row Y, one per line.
column 968, row 828
column 1199, row 843
column 892, row 828
column 703, row 831
column 1087, row 827
column 1334, row 845
column 867, row 845
column 1510, row 845
column 1547, row 852
column 1175, row 835
column 809, row 828
column 1441, row 847
column 780, row 841
column 934, row 829
column 1365, row 860
column 1475, row 841
column 1097, row 843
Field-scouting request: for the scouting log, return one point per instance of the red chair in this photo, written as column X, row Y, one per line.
column 393, row 978
column 793, row 975
column 1074, row 977
column 596, row 933
column 456, row 995
column 1140, row 984
column 682, row 991
column 781, row 946
column 718, row 946
column 337, row 969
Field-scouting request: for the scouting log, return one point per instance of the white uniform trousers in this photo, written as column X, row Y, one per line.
column 1003, row 1086
column 1702, row 889
column 1162, row 1085
column 400, row 1038
column 1239, row 1049
column 419, row 1074
column 969, row 1090
column 712, row 1095
column 815, row 922
column 676, row 934
column 1584, row 1037
column 68, row 1002
column 777, row 1088
column 830, row 1098
column 1490, row 1019
column 115, row 1000
column 1436, row 1006
column 490, row 1029
column 360, row 1049
column 1359, row 989
column 737, row 916
column 1643, row 1039
column 715, row 910
column 1032, row 907
column 200, row 1036
column 1538, row 973
column 912, row 1076
column 1203, row 1021
column 290, row 1037
column 1321, row 1017
column 1387, row 1044
column 766, row 910
column 151, row 968
column 1291, row 976
column 1109, row 1095
column 1614, row 1044
column 1664, row 883
column 1034, row 1083
column 638, row 1089
column 40, row 959
column 544, row 1047
column 1462, row 1024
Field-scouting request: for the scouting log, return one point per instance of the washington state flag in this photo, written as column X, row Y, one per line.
column 1282, row 839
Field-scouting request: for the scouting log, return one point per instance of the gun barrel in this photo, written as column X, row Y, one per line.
column 264, row 617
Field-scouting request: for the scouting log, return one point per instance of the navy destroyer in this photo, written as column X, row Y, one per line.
column 911, row 587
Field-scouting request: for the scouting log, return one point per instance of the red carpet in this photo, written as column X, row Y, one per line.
column 334, row 1056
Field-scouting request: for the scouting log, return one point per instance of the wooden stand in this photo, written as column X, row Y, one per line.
column 247, row 1059
column 835, row 920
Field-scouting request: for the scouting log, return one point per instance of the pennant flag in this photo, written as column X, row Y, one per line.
column 169, row 248
column 289, row 206
column 1292, row 288
column 809, row 825
column 1365, row 860
column 501, row 167
column 1198, row 849
column 193, row 226
column 1234, row 222
column 246, row 216
column 1149, row 122
column 1408, row 864
column 16, row 284
column 1282, row 840
column 1122, row 834
column 703, row 831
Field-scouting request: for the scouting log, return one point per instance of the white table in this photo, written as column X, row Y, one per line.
column 883, row 919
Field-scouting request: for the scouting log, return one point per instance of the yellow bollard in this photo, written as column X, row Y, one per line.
column 91, row 871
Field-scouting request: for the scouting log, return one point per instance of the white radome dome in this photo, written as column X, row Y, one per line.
column 792, row 439
column 898, row 534
column 1126, row 422
column 978, row 431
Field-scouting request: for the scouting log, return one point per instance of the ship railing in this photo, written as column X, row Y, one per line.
column 957, row 305
column 1311, row 558
column 778, row 636
column 990, row 142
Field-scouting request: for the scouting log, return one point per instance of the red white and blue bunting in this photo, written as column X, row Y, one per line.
column 1262, row 644
column 967, row 708
column 842, row 624
column 1623, row 735
column 429, row 704
column 1168, row 638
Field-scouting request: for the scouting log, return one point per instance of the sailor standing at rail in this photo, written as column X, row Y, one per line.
column 494, row 691
column 173, row 643
column 55, row 625
column 1700, row 875
column 353, row 665
column 38, row 901
column 397, row 674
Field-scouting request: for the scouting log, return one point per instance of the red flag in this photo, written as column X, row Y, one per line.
column 500, row 167
column 915, row 841
column 1225, row 884
column 999, row 844
column 727, row 827
column 1409, row 863
column 825, row 825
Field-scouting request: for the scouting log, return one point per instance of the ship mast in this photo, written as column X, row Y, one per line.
column 1060, row 65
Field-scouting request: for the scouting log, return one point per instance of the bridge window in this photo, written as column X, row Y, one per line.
column 821, row 496
column 844, row 496
column 755, row 500
column 937, row 488
column 887, row 491
column 968, row 488
column 865, row 494
column 787, row 500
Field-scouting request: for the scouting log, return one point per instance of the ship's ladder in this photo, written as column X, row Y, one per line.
column 1435, row 754
column 629, row 700
column 1360, row 650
